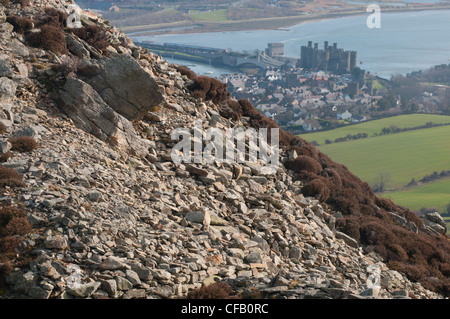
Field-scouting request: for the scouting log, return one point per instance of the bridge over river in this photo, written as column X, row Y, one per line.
column 212, row 56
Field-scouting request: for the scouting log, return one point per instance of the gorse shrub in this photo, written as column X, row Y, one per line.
column 217, row 290
column 20, row 24
column 23, row 144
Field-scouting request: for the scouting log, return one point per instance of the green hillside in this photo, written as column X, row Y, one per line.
column 436, row 194
column 406, row 155
column 372, row 127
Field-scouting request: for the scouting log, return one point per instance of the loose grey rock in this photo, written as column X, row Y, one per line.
column 126, row 87
column 84, row 290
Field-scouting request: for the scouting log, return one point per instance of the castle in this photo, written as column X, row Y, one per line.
column 330, row 58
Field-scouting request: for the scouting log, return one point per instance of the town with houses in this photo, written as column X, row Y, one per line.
column 319, row 91
column 303, row 98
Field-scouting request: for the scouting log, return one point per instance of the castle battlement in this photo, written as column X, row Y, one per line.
column 329, row 58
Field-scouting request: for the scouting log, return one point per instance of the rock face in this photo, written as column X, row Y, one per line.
column 122, row 220
column 115, row 92
column 125, row 86
column 89, row 112
column 7, row 91
column 434, row 223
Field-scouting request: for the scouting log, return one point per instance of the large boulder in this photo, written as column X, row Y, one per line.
column 435, row 223
column 7, row 91
column 5, row 66
column 125, row 86
column 88, row 111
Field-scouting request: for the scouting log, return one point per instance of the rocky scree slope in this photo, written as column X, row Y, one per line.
column 111, row 216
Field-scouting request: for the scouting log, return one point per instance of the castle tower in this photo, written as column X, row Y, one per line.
column 275, row 49
column 353, row 59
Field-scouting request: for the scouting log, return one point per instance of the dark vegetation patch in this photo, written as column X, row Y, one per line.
column 205, row 87
column 217, row 290
column 14, row 224
column 302, row 163
column 23, row 3
column 23, row 144
column 3, row 128
column 94, row 35
column 51, row 35
column 50, row 38
column 184, row 70
column 10, row 177
column 20, row 24
column 53, row 17
column 5, row 157
column 209, row 89
column 318, row 189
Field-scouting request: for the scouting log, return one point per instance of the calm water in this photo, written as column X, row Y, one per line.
column 404, row 43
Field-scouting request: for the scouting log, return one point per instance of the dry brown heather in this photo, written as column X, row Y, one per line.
column 184, row 70
column 23, row 144
column 10, row 177
column 53, row 17
column 421, row 256
column 20, row 24
column 218, row 290
column 93, row 35
column 5, row 157
column 14, row 225
column 2, row 128
column 50, row 36
column 209, row 89
column 23, row 3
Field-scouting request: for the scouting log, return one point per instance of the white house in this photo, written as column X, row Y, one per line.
column 346, row 116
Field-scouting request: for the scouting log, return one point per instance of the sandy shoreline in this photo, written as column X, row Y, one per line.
column 184, row 27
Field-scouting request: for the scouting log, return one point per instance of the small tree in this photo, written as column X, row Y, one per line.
column 447, row 210
column 381, row 181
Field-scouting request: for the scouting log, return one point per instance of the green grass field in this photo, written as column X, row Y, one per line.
column 372, row 127
column 217, row 15
column 405, row 155
column 436, row 194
